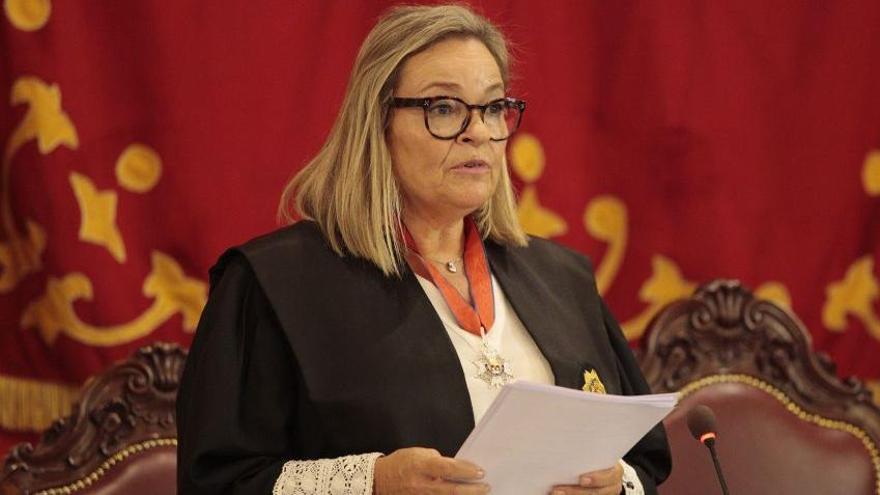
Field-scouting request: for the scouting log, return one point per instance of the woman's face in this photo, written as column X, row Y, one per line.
column 446, row 179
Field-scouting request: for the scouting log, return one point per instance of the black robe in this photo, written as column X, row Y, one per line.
column 303, row 354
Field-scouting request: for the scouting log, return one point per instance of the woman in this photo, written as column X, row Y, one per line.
column 354, row 351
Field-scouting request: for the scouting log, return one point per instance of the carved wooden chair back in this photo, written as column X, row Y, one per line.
column 786, row 423
column 120, row 437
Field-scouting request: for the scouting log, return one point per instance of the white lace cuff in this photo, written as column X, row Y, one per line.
column 632, row 485
column 349, row 475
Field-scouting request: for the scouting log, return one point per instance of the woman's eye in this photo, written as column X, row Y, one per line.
column 442, row 109
column 495, row 109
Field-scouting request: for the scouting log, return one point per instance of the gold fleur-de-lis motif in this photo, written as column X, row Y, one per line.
column 854, row 295
column 665, row 285
column 527, row 160
column 171, row 290
column 47, row 123
column 97, row 216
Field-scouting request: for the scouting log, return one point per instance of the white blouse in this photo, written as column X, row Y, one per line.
column 507, row 335
column 353, row 475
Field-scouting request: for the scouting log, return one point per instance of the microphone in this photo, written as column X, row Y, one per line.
column 701, row 422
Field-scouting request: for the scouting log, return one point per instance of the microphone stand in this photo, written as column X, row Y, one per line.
column 710, row 443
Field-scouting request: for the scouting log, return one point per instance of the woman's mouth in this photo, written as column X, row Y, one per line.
column 472, row 166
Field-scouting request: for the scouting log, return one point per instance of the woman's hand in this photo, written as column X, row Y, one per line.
column 604, row 482
column 418, row 470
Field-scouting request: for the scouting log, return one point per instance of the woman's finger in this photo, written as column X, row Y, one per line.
column 604, row 477
column 580, row 490
column 451, row 469
column 452, row 488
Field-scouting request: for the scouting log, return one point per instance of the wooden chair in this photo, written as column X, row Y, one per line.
column 120, row 437
column 786, row 423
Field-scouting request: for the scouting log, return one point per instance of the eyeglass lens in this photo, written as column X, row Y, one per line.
column 446, row 118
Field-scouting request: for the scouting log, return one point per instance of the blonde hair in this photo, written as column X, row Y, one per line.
column 349, row 188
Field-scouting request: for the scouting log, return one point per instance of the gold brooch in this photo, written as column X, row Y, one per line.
column 592, row 383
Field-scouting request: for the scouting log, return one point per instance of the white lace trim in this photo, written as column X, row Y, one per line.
column 632, row 485
column 349, row 475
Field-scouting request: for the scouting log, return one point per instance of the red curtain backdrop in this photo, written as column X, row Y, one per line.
column 672, row 141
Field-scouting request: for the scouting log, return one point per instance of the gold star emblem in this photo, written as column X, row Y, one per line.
column 592, row 383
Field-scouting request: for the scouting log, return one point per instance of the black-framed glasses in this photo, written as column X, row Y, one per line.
column 446, row 117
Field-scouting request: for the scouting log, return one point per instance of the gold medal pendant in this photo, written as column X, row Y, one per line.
column 492, row 368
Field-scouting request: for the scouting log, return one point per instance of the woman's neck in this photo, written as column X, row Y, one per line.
column 436, row 239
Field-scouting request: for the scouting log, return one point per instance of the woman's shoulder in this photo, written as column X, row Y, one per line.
column 303, row 236
column 298, row 243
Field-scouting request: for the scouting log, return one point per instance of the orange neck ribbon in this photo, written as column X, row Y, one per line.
column 476, row 268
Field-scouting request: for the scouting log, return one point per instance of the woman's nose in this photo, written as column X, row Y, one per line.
column 476, row 130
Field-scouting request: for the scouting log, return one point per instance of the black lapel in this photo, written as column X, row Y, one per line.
column 540, row 312
column 448, row 379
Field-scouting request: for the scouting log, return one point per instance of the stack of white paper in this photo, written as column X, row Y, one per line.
column 535, row 436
